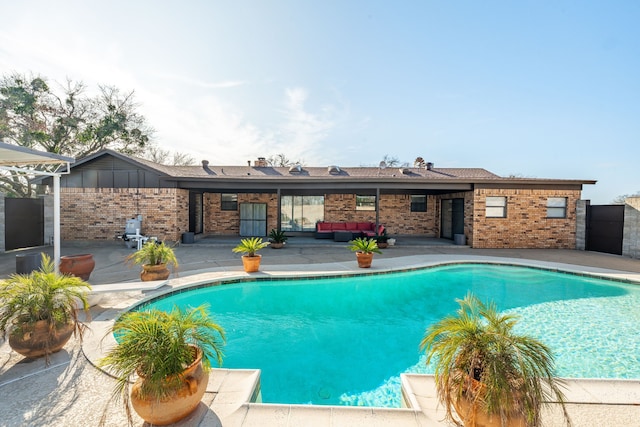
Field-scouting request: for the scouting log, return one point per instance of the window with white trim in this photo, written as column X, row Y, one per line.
column 496, row 207
column 557, row 207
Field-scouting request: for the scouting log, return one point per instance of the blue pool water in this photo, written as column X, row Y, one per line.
column 346, row 340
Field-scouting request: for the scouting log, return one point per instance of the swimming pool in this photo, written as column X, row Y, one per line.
column 346, row 340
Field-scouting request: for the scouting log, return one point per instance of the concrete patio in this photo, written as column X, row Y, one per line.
column 71, row 391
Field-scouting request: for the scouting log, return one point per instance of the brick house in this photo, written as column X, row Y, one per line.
column 103, row 190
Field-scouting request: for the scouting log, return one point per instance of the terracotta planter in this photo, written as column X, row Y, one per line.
column 472, row 416
column 251, row 264
column 154, row 272
column 276, row 245
column 77, row 265
column 177, row 405
column 364, row 260
column 38, row 339
column 383, row 245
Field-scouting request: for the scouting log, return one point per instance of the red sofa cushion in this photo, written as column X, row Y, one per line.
column 352, row 226
column 363, row 226
column 338, row 226
column 324, row 226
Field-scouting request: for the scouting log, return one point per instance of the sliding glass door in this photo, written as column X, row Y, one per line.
column 300, row 213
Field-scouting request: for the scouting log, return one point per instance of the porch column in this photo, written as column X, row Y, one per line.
column 56, row 222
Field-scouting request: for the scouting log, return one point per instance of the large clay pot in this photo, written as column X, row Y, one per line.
column 473, row 416
column 39, row 339
column 154, row 272
column 78, row 265
column 251, row 264
column 178, row 405
column 364, row 259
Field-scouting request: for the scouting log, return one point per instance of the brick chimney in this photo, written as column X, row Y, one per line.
column 261, row 162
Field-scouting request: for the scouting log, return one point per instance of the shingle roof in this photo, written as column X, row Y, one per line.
column 250, row 172
column 390, row 175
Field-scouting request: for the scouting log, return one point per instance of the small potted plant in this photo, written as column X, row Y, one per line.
column 154, row 257
column 277, row 239
column 381, row 239
column 489, row 374
column 248, row 247
column 364, row 249
column 39, row 310
column 169, row 353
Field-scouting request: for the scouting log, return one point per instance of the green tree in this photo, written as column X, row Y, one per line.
column 66, row 121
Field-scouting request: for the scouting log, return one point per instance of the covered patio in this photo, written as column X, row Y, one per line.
column 22, row 160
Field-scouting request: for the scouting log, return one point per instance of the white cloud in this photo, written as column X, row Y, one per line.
column 218, row 126
column 304, row 134
column 203, row 84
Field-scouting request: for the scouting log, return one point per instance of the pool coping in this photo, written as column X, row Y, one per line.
column 235, row 391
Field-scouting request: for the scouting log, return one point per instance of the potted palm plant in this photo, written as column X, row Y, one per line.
column 489, row 374
column 382, row 239
column 364, row 249
column 170, row 354
column 154, row 257
column 248, row 247
column 277, row 239
column 39, row 310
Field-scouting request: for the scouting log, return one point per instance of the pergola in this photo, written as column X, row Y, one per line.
column 25, row 160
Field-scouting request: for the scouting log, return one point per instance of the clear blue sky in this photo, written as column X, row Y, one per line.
column 545, row 89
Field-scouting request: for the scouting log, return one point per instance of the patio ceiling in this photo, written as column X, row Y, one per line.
column 15, row 155
column 21, row 159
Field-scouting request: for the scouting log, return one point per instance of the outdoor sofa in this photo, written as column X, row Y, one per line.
column 340, row 230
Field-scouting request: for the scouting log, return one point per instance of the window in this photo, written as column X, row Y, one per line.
column 418, row 203
column 365, row 203
column 557, row 207
column 229, row 202
column 496, row 207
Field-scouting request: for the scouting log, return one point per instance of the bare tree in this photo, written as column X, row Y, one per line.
column 166, row 157
column 619, row 200
column 282, row 160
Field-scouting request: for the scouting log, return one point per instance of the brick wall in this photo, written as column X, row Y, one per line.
column 342, row 208
column 101, row 213
column 526, row 224
column 395, row 213
column 219, row 222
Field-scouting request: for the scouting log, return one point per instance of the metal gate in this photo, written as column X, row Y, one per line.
column 605, row 228
column 24, row 223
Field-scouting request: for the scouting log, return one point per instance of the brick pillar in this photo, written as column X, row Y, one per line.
column 581, row 224
column 631, row 233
